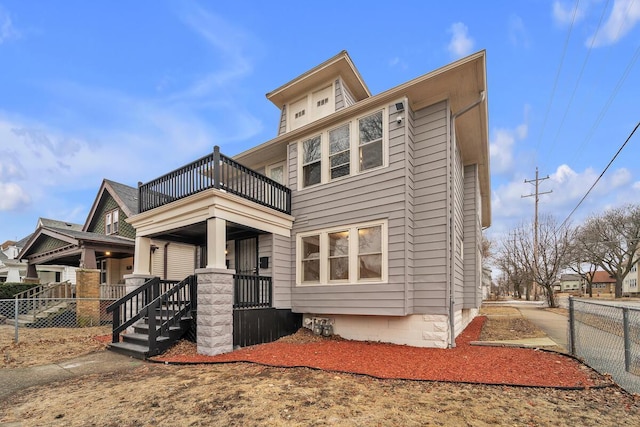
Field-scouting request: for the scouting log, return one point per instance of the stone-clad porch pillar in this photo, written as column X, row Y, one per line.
column 215, row 311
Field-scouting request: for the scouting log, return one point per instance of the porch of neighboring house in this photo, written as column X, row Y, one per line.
column 238, row 223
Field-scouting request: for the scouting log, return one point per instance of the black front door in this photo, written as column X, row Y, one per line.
column 247, row 256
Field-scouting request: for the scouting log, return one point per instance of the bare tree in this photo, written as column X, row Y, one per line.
column 486, row 250
column 583, row 263
column 515, row 275
column 554, row 250
column 612, row 241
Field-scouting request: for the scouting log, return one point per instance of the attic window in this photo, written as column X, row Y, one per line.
column 299, row 114
column 322, row 102
column 111, row 222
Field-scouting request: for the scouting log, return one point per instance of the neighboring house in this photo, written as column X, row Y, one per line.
column 570, row 283
column 603, row 283
column 14, row 270
column 365, row 212
column 104, row 242
column 630, row 283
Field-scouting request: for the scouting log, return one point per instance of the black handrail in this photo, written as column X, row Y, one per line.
column 128, row 309
column 168, row 309
column 214, row 171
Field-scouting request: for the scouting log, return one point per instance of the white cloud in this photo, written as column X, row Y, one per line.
column 55, row 164
column 567, row 188
column 518, row 35
column 625, row 14
column 502, row 145
column 12, row 196
column 7, row 30
column 396, row 62
column 563, row 12
column 460, row 44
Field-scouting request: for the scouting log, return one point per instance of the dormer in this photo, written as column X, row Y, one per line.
column 331, row 86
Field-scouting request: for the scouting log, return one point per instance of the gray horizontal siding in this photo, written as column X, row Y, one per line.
column 340, row 104
column 349, row 100
column 282, row 270
column 370, row 196
column 458, row 241
column 430, row 209
column 283, row 121
column 473, row 236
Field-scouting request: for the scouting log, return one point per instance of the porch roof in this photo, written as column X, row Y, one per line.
column 64, row 246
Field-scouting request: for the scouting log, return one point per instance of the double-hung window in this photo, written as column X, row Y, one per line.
column 339, row 152
column 353, row 254
column 111, row 222
column 351, row 148
column 312, row 161
column 370, row 252
column 311, row 259
column 370, row 141
column 339, row 255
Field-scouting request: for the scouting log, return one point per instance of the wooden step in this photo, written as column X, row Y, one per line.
column 133, row 350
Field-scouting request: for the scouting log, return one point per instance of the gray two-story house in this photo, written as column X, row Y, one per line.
column 364, row 213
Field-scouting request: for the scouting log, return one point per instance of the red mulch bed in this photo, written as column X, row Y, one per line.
column 464, row 363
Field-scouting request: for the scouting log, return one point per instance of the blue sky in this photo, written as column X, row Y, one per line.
column 130, row 90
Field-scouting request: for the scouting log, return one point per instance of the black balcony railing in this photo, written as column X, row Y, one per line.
column 214, row 171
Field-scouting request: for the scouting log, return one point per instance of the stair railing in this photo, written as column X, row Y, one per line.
column 168, row 309
column 126, row 310
column 40, row 298
column 146, row 300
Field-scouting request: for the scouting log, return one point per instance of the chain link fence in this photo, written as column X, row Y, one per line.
column 607, row 337
column 54, row 313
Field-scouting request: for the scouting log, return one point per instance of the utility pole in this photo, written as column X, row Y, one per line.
column 536, row 183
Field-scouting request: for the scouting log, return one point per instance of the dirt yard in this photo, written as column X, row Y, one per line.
column 247, row 394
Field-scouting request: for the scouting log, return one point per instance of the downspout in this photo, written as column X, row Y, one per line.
column 452, row 219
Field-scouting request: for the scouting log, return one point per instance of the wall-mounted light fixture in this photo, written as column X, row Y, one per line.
column 107, row 253
column 399, row 110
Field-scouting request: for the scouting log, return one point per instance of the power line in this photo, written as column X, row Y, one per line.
column 579, row 79
column 606, row 106
column 603, row 172
column 535, row 224
column 555, row 83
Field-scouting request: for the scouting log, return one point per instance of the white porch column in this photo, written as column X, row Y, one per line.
column 216, row 243
column 142, row 257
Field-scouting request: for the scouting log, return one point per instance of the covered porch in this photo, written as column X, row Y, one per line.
column 227, row 212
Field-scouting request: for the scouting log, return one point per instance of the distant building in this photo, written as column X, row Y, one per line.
column 571, row 283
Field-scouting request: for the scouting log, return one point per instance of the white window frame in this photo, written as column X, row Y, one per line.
column 353, row 254
column 112, row 222
column 354, row 150
column 282, row 164
column 321, row 160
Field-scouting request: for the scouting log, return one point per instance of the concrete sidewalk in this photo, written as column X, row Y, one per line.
column 554, row 325
column 14, row 380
